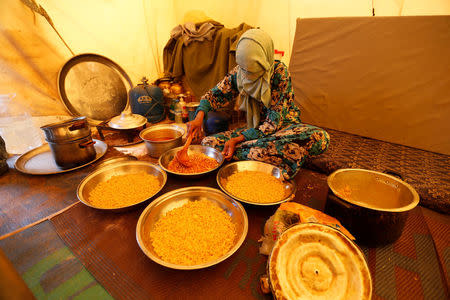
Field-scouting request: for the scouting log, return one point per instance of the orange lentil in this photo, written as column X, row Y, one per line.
column 200, row 163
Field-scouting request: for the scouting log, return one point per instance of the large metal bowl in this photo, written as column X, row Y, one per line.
column 103, row 173
column 373, row 205
column 160, row 138
column 167, row 157
column 250, row 165
column 177, row 198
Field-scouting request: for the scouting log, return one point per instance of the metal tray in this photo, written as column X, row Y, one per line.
column 40, row 161
column 94, row 86
column 169, row 155
column 250, row 165
column 115, row 167
column 177, row 198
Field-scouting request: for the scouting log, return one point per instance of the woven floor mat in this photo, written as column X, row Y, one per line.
column 427, row 172
column 48, row 266
column 410, row 268
column 40, row 196
column 106, row 244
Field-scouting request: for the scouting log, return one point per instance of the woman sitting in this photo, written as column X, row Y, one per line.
column 274, row 132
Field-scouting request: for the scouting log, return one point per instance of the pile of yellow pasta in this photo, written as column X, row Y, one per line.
column 195, row 233
column 255, row 186
column 124, row 190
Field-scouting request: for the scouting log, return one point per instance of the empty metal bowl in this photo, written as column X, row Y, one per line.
column 177, row 198
column 122, row 167
column 167, row 157
column 160, row 138
column 250, row 165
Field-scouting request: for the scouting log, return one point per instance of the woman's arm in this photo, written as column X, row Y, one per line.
column 220, row 96
column 216, row 98
column 230, row 146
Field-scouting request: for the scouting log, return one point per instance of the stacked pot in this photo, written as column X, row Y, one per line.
column 70, row 142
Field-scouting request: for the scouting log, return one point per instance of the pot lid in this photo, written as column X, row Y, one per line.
column 94, row 86
column 127, row 120
column 315, row 261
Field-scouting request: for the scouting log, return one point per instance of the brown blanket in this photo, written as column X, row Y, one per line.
column 204, row 63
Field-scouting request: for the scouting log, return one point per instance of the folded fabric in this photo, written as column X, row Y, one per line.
column 191, row 33
column 203, row 64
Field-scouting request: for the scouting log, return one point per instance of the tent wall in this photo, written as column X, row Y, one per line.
column 134, row 32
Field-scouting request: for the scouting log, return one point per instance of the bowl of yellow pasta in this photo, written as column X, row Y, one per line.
column 255, row 182
column 191, row 228
column 121, row 184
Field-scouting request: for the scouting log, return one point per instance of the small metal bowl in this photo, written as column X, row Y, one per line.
column 160, row 138
column 167, row 157
column 177, row 198
column 250, row 165
column 122, row 167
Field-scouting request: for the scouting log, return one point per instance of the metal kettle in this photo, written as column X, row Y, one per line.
column 147, row 100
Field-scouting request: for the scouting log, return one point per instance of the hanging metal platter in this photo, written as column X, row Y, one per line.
column 40, row 161
column 94, row 86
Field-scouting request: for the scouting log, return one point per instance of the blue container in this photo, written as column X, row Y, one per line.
column 148, row 101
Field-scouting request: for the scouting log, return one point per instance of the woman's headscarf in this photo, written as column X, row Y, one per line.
column 254, row 56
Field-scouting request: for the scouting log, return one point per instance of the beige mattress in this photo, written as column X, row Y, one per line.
column 386, row 78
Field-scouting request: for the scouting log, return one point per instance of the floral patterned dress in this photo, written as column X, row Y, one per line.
column 280, row 139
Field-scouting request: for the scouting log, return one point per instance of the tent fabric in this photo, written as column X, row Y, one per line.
column 133, row 33
column 384, row 77
column 31, row 55
column 203, row 63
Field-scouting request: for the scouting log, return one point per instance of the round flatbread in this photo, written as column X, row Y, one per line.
column 315, row 261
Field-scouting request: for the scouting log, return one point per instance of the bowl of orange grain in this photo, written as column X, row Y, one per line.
column 120, row 184
column 203, row 160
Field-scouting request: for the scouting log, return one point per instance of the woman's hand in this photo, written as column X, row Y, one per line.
column 230, row 146
column 194, row 127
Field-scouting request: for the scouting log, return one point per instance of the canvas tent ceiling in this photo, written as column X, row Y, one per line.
column 133, row 33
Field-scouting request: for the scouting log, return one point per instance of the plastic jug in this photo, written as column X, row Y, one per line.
column 16, row 126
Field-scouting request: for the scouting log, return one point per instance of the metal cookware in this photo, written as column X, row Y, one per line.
column 316, row 261
column 372, row 205
column 73, row 153
column 191, row 108
column 40, row 160
column 250, row 165
column 70, row 130
column 177, row 198
column 94, row 86
column 114, row 167
column 169, row 155
column 160, row 138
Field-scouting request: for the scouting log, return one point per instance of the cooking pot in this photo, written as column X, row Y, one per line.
column 160, row 138
column 73, row 153
column 372, row 205
column 66, row 131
